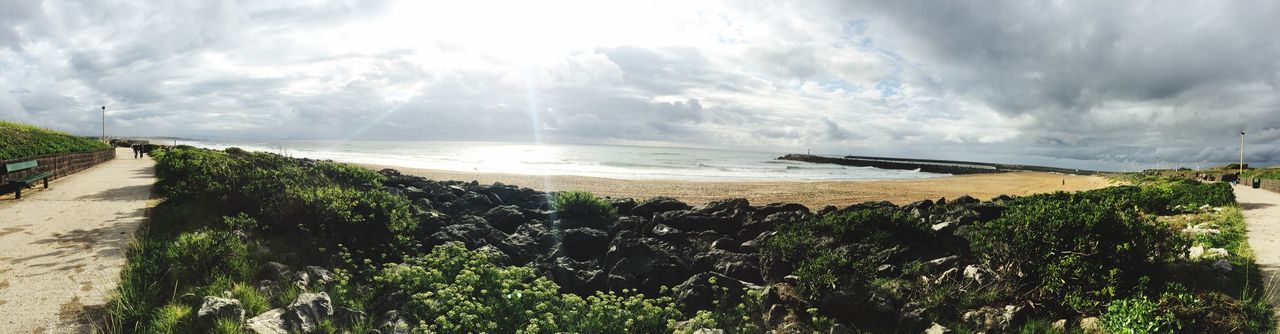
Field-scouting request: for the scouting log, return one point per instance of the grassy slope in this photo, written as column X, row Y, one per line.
column 21, row 140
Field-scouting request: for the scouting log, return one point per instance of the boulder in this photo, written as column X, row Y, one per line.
column 306, row 312
column 623, row 205
column 740, row 266
column 1222, row 265
column 976, row 274
column 688, row 220
column 995, row 319
column 274, row 271
column 346, row 317
column 578, row 277
column 734, row 208
column 585, row 243
column 319, row 276
column 391, row 323
column 658, row 205
column 473, row 235
column 645, row 264
column 213, row 308
column 700, row 291
column 505, row 218
column 936, row 328
column 270, row 322
column 1091, row 325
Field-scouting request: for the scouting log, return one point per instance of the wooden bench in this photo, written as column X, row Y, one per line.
column 25, row 182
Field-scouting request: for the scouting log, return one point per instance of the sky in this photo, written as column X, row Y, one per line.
column 1109, row 85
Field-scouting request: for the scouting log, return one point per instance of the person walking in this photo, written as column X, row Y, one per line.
column 137, row 150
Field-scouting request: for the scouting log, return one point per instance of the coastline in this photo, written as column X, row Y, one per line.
column 813, row 194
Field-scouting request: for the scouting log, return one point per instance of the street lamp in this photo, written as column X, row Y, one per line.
column 1241, row 152
column 104, row 124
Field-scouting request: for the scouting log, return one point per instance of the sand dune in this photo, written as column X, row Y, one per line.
column 812, row 194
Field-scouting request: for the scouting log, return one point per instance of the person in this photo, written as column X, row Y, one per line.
column 137, row 150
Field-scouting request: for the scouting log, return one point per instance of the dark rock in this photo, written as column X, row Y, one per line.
column 218, row 308
column 826, row 210
column 576, row 276
column 424, row 204
column 988, row 211
column 918, row 208
column 495, row 255
column 585, row 243
column 965, row 200
column 686, row 220
column 773, row 208
column 740, row 266
column 391, row 322
column 389, row 301
column 346, row 317
column 662, row 230
column 320, row 277
column 645, row 264
column 658, row 205
column 623, row 205
column 473, row 235
column 699, row 293
column 505, row 218
column 726, row 244
column 274, row 271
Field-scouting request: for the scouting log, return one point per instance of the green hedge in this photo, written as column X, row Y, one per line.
column 21, row 140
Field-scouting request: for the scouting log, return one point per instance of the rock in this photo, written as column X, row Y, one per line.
column 270, row 322
column 346, row 317
column 749, row 246
column 686, row 220
column 658, row 205
column 938, row 263
column 645, row 264
column 1222, row 265
column 700, row 291
column 505, row 218
column 623, row 205
column 274, row 271
column 975, row 273
column 473, row 235
column 737, row 265
column 945, row 226
column 950, row 275
column 301, row 280
column 773, row 208
column 391, row 323
column 1195, row 252
column 919, row 209
column 708, row 331
column 1091, row 325
column 497, row 256
column 994, row 319
column 725, row 244
column 306, row 313
column 935, row 328
column 585, row 243
column 1060, row 326
column 1216, row 253
column 214, row 308
column 320, row 276
column 964, row 200
column 575, row 276
column 731, row 208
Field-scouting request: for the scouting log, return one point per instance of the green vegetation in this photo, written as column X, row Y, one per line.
column 1117, row 253
column 459, row 291
column 1265, row 173
column 583, row 207
column 21, row 140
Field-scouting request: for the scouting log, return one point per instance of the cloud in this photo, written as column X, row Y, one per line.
column 1090, row 84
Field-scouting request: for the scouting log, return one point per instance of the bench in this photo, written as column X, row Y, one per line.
column 25, row 182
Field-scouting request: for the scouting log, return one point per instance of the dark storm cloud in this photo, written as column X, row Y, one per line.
column 1096, row 84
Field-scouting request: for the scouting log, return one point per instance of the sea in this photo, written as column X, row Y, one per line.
column 607, row 161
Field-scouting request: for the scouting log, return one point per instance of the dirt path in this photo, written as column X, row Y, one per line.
column 1262, row 218
column 61, row 249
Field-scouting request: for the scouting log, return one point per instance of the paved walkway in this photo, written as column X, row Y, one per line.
column 1262, row 218
column 61, row 249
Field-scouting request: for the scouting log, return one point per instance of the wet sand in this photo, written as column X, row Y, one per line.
column 812, row 194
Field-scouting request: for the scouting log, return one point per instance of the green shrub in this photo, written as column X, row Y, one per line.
column 1138, row 316
column 240, row 221
column 583, row 206
column 1076, row 253
column 253, row 300
column 350, row 175
column 454, row 290
column 199, row 256
column 21, row 141
column 839, row 251
column 171, row 318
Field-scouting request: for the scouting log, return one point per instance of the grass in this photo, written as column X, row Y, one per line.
column 20, row 140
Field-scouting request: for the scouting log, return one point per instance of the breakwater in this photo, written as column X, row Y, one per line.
column 930, row 166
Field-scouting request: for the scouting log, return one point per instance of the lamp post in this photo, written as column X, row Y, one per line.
column 104, row 124
column 1242, row 152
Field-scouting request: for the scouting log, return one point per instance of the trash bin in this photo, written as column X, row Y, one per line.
column 1257, row 183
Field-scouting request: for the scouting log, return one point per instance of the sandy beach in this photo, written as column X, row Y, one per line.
column 812, row 194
